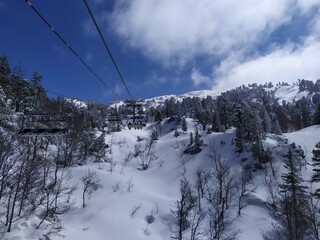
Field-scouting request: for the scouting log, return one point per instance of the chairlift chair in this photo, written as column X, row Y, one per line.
column 136, row 114
column 37, row 124
column 137, row 125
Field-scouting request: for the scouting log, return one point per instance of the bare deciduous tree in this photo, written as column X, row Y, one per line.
column 196, row 230
column 89, row 181
column 183, row 208
column 243, row 189
column 55, row 199
column 148, row 155
column 135, row 209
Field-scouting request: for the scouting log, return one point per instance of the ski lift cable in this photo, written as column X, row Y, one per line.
column 64, row 96
column 108, row 49
column 71, row 49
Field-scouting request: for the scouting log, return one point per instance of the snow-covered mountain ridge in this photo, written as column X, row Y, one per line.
column 288, row 93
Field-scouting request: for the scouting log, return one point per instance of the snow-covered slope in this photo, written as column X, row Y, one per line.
column 290, row 93
column 124, row 187
column 126, row 195
column 160, row 100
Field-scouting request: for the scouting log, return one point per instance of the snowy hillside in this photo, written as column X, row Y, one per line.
column 200, row 94
column 126, row 196
column 160, row 100
column 206, row 166
column 290, row 93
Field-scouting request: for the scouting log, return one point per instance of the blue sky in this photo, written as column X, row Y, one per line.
column 164, row 46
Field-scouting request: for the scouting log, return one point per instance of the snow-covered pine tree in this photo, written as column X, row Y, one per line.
column 216, row 121
column 316, row 168
column 197, row 141
column 256, row 136
column 223, row 105
column 5, row 70
column 239, row 118
column 304, row 108
column 294, row 201
column 191, row 139
column 316, row 117
column 184, row 125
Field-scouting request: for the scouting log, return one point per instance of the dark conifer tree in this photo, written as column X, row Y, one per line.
column 191, row 139
column 316, row 117
column 304, row 108
column 316, row 167
column 38, row 92
column 223, row 105
column 294, row 202
column 184, row 125
column 256, row 136
column 5, row 70
column 216, row 121
column 197, row 141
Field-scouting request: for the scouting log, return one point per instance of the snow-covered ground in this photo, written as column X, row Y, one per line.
column 290, row 93
column 124, row 187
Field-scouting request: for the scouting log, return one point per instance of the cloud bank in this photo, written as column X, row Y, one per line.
column 177, row 32
column 283, row 65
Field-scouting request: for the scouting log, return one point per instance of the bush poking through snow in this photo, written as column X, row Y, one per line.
column 150, row 219
column 135, row 209
column 116, row 187
column 89, row 181
column 130, row 185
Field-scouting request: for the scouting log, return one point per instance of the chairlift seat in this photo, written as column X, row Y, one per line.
column 43, row 132
column 137, row 125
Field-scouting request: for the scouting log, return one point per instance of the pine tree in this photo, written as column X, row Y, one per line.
column 240, row 116
column 294, row 201
column 255, row 126
column 5, row 70
column 20, row 88
column 216, row 121
column 184, row 125
column 223, row 105
column 38, row 91
column 36, row 79
column 239, row 140
column 316, row 117
column 154, row 134
column 176, row 133
column 304, row 108
column 197, row 141
column 191, row 139
column 99, row 147
column 316, row 168
column 266, row 120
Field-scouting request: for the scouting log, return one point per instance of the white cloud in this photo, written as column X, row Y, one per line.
column 119, row 89
column 169, row 30
column 283, row 65
column 154, row 79
column 198, row 79
column 177, row 32
column 306, row 5
column 315, row 26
